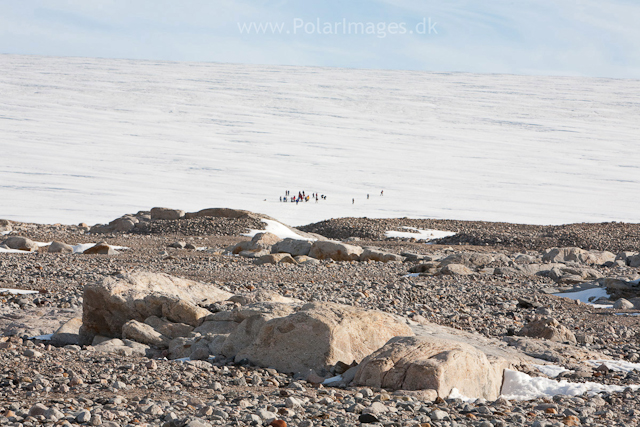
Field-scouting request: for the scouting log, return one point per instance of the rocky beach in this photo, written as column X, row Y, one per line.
column 228, row 317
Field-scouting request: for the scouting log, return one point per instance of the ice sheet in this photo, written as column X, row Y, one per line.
column 87, row 140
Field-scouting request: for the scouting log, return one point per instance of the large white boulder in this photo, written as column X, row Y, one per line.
column 577, row 255
column 109, row 304
column 259, row 242
column 548, row 328
column 166, row 213
column 21, row 243
column 429, row 363
column 294, row 247
column 336, row 251
column 319, row 335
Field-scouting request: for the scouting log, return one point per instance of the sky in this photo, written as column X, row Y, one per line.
column 532, row 37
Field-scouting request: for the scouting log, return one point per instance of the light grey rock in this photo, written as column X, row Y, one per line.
column 549, row 329
column 67, row 334
column 166, row 214
column 21, row 243
column 336, row 251
column 623, row 304
column 374, row 254
column 293, row 247
column 59, row 248
column 145, row 334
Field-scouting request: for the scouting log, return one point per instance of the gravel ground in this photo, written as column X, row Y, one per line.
column 81, row 387
column 610, row 236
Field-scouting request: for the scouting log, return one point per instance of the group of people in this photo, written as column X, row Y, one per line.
column 301, row 197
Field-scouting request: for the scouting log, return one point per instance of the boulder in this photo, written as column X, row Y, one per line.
column 109, row 304
column 469, row 259
column 101, row 248
column 634, row 261
column 525, row 259
column 124, row 347
column 259, row 242
column 250, row 319
column 59, row 248
column 597, row 257
column 578, row 255
column 68, row 334
column 264, row 240
column 337, row 251
column 319, row 335
column 251, row 254
column 571, row 275
column 166, row 213
column 455, row 270
column 5, row 225
column 145, row 334
column 169, row 329
column 430, row 267
column 428, row 363
column 221, row 213
column 413, row 257
column 292, row 246
column 373, row 254
column 20, row 243
column 623, row 257
column 124, row 224
column 623, row 304
column 275, row 259
column 562, row 255
column 549, row 329
column 303, row 259
column 552, row 351
column 216, row 327
column 184, row 312
column 261, row 296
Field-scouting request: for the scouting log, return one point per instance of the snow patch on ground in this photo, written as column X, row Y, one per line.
column 331, row 380
column 551, row 370
column 4, row 233
column 587, row 296
column 520, row 386
column 616, row 365
column 14, row 251
column 455, row 394
column 419, row 234
column 80, row 248
column 279, row 229
column 17, row 291
column 42, row 337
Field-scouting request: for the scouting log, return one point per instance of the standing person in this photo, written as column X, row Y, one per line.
column 382, row 193
column 367, row 196
column 353, row 201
